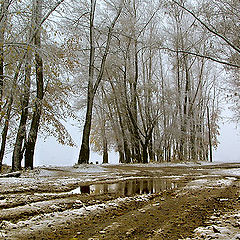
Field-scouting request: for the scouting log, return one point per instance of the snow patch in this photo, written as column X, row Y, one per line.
column 234, row 172
column 209, row 183
column 220, row 227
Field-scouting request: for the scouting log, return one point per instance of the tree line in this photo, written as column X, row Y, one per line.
column 146, row 79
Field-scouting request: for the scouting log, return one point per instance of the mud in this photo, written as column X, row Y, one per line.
column 190, row 201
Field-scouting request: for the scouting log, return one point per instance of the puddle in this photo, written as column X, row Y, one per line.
column 128, row 187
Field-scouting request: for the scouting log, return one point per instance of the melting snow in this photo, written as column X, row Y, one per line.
column 209, row 183
column 234, row 172
column 223, row 228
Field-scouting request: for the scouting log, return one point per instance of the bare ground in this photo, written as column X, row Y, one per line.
column 201, row 202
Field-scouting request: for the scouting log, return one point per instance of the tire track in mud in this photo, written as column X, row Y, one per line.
column 171, row 216
column 167, row 215
column 17, row 207
column 48, row 225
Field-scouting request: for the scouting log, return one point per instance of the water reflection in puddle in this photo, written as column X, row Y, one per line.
column 128, row 188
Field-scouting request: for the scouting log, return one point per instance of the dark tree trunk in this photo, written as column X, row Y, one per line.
column 135, row 108
column 85, row 150
column 18, row 147
column 137, row 150
column 121, row 156
column 92, row 88
column 209, row 135
column 150, row 150
column 32, row 137
column 181, row 140
column 193, row 140
column 127, row 152
column 145, row 154
column 169, row 152
column 184, row 142
column 1, row 72
column 105, row 143
column 105, row 152
column 5, row 130
column 4, row 10
column 4, row 6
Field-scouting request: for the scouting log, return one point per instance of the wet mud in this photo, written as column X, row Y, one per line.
column 120, row 202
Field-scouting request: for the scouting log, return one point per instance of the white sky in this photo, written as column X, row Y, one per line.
column 229, row 146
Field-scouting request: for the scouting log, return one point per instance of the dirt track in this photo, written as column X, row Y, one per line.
column 39, row 205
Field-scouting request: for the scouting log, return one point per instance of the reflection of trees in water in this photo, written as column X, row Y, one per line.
column 128, row 190
column 85, row 189
column 145, row 187
column 150, row 185
column 121, row 188
column 131, row 187
column 137, row 189
column 98, row 189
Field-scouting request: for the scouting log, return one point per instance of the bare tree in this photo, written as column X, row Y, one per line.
column 93, row 86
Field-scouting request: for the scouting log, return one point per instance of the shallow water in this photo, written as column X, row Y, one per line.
column 128, row 187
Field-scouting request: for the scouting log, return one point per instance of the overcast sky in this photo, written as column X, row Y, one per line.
column 229, row 146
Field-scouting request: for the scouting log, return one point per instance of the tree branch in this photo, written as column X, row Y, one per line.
column 202, row 56
column 109, row 38
column 209, row 29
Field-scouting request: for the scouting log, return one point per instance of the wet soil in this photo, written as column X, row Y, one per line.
column 117, row 202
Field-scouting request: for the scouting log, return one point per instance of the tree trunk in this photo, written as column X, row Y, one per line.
column 136, row 147
column 92, row 89
column 32, row 137
column 150, row 150
column 126, row 152
column 4, row 6
column 85, row 149
column 105, row 151
column 5, row 130
column 144, row 154
column 121, row 155
column 104, row 137
column 18, row 147
column 209, row 135
column 1, row 67
column 193, row 139
column 185, row 111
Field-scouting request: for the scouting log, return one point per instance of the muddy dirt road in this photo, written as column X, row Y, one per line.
column 179, row 201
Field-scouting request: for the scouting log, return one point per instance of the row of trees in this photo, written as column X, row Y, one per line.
column 147, row 76
column 153, row 104
column 34, row 99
